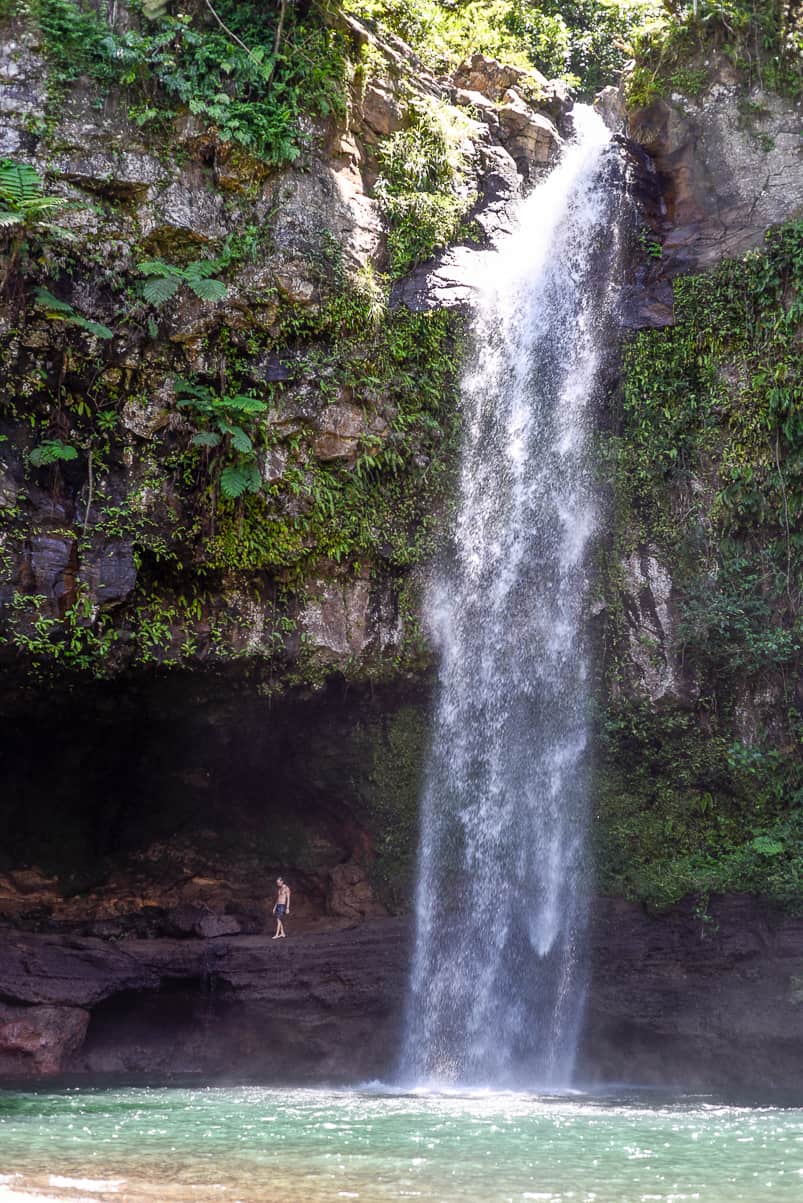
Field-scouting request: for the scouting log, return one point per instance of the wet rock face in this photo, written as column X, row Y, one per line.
column 650, row 606
column 691, row 1001
column 697, row 1000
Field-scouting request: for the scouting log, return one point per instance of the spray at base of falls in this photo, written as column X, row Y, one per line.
column 498, row 979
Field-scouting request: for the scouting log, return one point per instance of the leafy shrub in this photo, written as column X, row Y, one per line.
column 22, row 199
column 764, row 41
column 224, row 418
column 23, row 210
column 52, row 451
column 419, row 189
column 62, row 311
column 709, row 472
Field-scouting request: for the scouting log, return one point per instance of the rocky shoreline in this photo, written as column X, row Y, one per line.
column 710, row 1002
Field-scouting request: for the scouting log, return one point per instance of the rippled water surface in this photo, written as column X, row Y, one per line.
column 262, row 1145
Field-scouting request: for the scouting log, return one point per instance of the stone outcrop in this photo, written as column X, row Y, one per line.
column 529, row 137
column 319, row 1008
column 730, row 165
column 711, row 174
column 694, row 1000
column 75, row 540
column 649, row 602
column 39, row 1041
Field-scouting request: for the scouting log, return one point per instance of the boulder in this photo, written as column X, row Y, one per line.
column 120, row 176
column 336, row 620
column 491, row 78
column 652, row 628
column 350, row 893
column 144, row 416
column 382, row 111
column 730, row 166
column 531, row 138
column 340, row 426
column 109, row 571
column 38, row 1041
column 50, row 561
column 610, row 105
column 212, row 926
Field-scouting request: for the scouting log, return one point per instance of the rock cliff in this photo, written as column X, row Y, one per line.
column 231, row 331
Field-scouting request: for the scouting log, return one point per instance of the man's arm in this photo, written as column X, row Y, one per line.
column 288, row 900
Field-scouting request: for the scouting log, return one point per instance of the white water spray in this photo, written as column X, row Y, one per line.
column 498, row 977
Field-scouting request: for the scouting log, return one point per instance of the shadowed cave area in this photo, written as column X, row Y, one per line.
column 222, row 789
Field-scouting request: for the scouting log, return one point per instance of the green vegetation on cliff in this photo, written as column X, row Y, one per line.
column 256, row 74
column 762, row 41
column 702, row 789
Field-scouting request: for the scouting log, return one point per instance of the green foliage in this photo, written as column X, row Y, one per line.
column 62, row 311
column 22, row 199
column 708, row 471
column 77, row 642
column 395, row 752
column 586, row 42
column 420, row 189
column 165, row 279
column 224, row 418
column 52, row 451
column 685, row 811
column 764, row 41
column 253, row 89
column 385, row 507
column 444, row 33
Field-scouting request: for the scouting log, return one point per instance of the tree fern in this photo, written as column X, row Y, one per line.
column 236, row 479
column 21, row 194
column 157, row 291
column 166, row 279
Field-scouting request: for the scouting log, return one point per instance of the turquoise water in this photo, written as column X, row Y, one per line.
column 258, row 1145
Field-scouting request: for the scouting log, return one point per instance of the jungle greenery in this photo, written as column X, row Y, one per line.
column 707, row 794
column 251, row 80
column 762, row 39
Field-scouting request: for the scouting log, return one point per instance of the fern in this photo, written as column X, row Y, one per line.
column 240, row 440
column 21, row 194
column 62, row 311
column 236, row 479
column 156, row 292
column 166, row 279
column 227, row 414
column 205, row 438
column 208, row 290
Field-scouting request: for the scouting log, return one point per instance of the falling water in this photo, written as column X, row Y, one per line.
column 498, row 977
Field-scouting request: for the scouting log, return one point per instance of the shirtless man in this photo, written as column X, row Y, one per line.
column 281, row 908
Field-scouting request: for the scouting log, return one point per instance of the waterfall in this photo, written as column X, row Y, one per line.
column 498, row 978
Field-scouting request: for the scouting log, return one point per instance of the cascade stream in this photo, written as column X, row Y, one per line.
column 498, row 978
